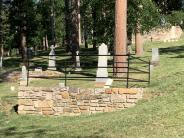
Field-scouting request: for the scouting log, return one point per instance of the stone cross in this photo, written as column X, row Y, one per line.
column 155, row 56
column 24, row 74
column 52, row 59
column 78, row 68
column 102, row 64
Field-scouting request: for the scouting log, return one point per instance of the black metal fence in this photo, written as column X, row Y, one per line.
column 89, row 65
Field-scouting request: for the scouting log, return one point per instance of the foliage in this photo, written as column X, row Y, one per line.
column 176, row 18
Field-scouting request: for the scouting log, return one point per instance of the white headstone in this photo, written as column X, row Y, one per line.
column 78, row 68
column 102, row 72
column 1, row 61
column 24, row 73
column 155, row 56
column 52, row 59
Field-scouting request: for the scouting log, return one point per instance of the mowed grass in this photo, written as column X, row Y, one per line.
column 159, row 115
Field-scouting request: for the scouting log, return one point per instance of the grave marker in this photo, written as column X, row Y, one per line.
column 155, row 56
column 52, row 59
column 102, row 72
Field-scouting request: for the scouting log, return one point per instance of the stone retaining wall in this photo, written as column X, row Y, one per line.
column 75, row 101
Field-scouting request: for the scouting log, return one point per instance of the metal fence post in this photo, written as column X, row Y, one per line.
column 65, row 75
column 27, row 67
column 128, row 62
column 149, row 75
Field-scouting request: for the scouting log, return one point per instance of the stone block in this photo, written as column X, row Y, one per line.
column 20, row 94
column 20, row 107
column 132, row 96
column 108, row 91
column 25, row 102
column 23, row 83
column 92, row 108
column 94, row 104
column 127, row 91
column 73, row 106
column 121, row 106
column 115, row 90
column 102, row 105
column 48, row 95
column 117, row 98
column 108, row 109
column 106, row 99
column 48, row 113
column 59, row 97
column 99, row 108
column 22, row 112
column 128, row 105
column 67, row 110
column 47, row 109
column 99, row 90
column 94, row 101
column 84, row 107
column 29, row 108
column 80, row 103
column 76, row 111
column 45, row 103
column 65, row 95
column 73, row 90
column 131, row 100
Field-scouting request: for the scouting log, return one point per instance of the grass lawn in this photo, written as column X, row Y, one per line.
column 159, row 115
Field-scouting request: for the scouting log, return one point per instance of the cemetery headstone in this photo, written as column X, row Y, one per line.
column 78, row 67
column 102, row 72
column 155, row 57
column 30, row 53
column 1, row 61
column 24, row 77
column 24, row 73
column 52, row 59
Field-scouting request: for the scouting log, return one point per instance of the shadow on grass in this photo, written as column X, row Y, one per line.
column 172, row 50
column 26, row 132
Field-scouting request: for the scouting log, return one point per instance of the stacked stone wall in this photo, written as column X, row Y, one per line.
column 75, row 101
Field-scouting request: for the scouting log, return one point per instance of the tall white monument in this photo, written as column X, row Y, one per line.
column 78, row 67
column 52, row 59
column 102, row 72
column 155, row 56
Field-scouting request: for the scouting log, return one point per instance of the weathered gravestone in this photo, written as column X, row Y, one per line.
column 52, row 59
column 78, row 67
column 1, row 61
column 102, row 73
column 30, row 53
column 155, row 57
column 24, row 77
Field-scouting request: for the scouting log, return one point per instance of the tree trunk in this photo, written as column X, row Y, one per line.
column 1, row 56
column 44, row 45
column 74, row 28
column 53, row 23
column 138, row 41
column 79, row 23
column 67, row 26
column 94, row 16
column 1, row 36
column 23, row 48
column 120, row 37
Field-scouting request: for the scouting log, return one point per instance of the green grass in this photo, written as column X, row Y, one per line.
column 159, row 115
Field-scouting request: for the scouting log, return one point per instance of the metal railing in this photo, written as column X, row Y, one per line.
column 68, row 67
